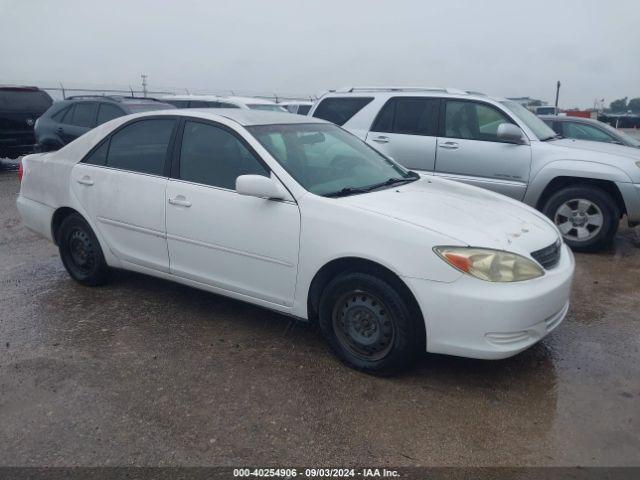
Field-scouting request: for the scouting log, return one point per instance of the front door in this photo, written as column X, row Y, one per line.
column 122, row 185
column 469, row 149
column 236, row 243
column 406, row 130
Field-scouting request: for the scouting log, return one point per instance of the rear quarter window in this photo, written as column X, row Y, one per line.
column 339, row 110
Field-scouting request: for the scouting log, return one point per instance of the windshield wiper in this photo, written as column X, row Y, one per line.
column 391, row 181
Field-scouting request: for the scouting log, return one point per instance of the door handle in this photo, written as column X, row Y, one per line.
column 180, row 201
column 381, row 139
column 449, row 145
column 86, row 180
column 59, row 129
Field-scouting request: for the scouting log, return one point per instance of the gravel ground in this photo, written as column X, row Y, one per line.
column 146, row 372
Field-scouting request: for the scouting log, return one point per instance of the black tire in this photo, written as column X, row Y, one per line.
column 81, row 253
column 601, row 200
column 392, row 331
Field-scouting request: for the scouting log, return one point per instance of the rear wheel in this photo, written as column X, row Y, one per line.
column 586, row 216
column 369, row 325
column 81, row 253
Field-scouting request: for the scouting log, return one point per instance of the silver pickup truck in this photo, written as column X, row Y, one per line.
column 584, row 187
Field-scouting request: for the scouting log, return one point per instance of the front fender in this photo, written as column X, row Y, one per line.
column 571, row 168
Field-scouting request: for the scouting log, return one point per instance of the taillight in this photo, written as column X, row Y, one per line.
column 20, row 170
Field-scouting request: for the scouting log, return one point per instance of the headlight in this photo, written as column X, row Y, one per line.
column 490, row 265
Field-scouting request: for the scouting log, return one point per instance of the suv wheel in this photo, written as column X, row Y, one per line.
column 81, row 253
column 587, row 217
column 368, row 324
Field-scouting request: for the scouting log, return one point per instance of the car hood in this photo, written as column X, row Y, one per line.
column 470, row 215
column 599, row 147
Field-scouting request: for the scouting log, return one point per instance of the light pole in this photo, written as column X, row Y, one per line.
column 557, row 95
column 144, row 85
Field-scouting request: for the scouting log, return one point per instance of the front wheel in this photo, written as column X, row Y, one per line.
column 81, row 253
column 369, row 325
column 586, row 216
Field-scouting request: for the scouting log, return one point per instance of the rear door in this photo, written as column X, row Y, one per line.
column 122, row 185
column 78, row 120
column 470, row 151
column 406, row 130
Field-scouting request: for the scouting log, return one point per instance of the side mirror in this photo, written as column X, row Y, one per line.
column 511, row 133
column 259, row 186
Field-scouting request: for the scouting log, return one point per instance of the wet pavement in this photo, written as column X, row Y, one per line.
column 146, row 372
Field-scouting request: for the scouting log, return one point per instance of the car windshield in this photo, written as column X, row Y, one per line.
column 627, row 138
column 266, row 107
column 328, row 161
column 537, row 126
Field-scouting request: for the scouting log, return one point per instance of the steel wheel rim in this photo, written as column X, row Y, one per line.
column 579, row 219
column 363, row 325
column 81, row 251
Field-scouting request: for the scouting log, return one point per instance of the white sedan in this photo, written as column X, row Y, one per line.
column 296, row 215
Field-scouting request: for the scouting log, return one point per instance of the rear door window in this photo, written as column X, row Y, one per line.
column 84, row 114
column 142, row 146
column 108, row 112
column 340, row 110
column 409, row 116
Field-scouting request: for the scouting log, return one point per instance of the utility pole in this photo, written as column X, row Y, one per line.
column 144, row 85
column 557, row 95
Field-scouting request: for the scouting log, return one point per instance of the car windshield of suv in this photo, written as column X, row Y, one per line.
column 537, row 126
column 328, row 161
column 24, row 100
column 268, row 108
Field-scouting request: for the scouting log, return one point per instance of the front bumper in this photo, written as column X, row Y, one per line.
column 478, row 319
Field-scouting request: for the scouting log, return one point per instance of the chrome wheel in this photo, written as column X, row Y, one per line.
column 579, row 219
column 363, row 325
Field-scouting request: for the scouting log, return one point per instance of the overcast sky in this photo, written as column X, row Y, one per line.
column 501, row 47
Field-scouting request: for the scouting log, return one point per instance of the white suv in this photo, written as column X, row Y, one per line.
column 585, row 187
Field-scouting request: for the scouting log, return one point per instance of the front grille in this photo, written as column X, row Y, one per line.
column 549, row 256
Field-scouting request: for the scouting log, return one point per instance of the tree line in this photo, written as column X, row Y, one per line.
column 623, row 105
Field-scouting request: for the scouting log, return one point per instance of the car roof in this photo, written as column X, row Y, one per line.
column 241, row 116
column 210, row 98
column 392, row 91
column 252, row 100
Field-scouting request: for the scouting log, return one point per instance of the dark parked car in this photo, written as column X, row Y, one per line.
column 20, row 107
column 587, row 129
column 67, row 120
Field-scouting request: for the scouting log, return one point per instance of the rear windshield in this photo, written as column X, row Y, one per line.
column 339, row 110
column 27, row 100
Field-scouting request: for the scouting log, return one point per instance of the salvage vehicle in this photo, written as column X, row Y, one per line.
column 299, row 107
column 70, row 118
column 215, row 101
column 20, row 108
column 297, row 215
column 580, row 128
column 497, row 144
